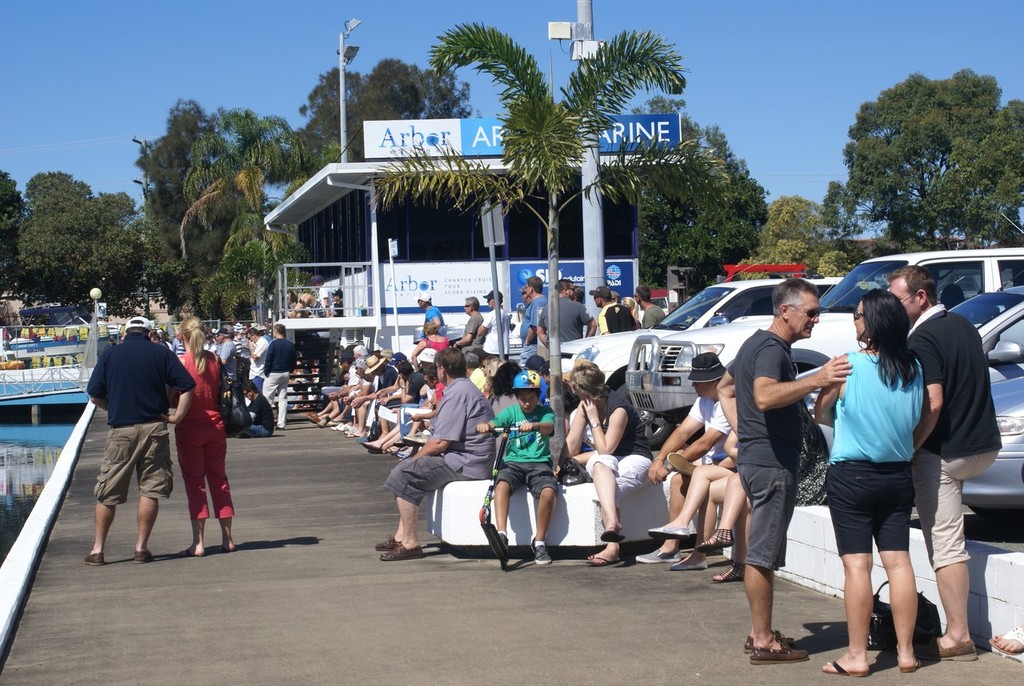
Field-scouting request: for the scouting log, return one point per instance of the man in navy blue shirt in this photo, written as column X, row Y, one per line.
column 279, row 363
column 130, row 382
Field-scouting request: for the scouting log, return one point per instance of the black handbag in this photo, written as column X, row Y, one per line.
column 572, row 473
column 814, row 454
column 882, row 632
column 374, row 430
column 233, row 410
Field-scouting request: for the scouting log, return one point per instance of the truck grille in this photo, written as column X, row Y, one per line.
column 669, row 355
column 642, row 401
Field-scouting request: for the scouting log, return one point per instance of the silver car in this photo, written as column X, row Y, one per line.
column 999, row 491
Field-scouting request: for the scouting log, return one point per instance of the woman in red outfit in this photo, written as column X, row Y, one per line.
column 202, row 443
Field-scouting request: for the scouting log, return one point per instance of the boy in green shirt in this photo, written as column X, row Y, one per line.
column 527, row 459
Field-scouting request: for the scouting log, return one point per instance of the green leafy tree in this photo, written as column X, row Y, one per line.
column 796, row 233
column 543, row 144
column 164, row 163
column 72, row 241
column 934, row 162
column 244, row 279
column 12, row 209
column 392, row 90
column 704, row 236
column 231, row 170
column 234, row 165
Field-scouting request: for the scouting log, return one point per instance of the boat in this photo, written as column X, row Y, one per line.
column 47, row 336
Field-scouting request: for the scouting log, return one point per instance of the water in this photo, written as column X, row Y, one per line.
column 27, row 456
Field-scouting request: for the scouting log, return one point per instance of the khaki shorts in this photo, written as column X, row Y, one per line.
column 144, row 449
column 938, row 486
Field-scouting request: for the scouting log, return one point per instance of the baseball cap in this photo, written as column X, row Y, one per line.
column 602, row 292
column 139, row 323
column 425, row 296
column 223, row 331
column 490, row 295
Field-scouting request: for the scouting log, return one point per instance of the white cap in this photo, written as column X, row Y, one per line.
column 139, row 323
column 425, row 296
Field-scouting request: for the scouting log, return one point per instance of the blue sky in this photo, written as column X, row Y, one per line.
column 783, row 80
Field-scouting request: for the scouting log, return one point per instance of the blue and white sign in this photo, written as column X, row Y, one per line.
column 483, row 137
column 620, row 276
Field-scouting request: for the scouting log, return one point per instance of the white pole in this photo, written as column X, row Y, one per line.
column 341, row 96
column 593, row 216
column 392, row 252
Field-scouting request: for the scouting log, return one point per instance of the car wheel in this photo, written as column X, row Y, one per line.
column 657, row 428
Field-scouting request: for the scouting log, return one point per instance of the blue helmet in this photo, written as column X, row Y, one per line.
column 526, row 379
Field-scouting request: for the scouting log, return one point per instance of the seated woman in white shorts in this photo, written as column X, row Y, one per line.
column 621, row 457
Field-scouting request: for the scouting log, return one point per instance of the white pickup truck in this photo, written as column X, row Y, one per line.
column 731, row 301
column 659, row 365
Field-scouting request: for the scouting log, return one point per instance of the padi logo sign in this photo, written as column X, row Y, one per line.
column 383, row 139
column 613, row 275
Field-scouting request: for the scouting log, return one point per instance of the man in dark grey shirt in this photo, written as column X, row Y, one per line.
column 574, row 322
column 761, row 398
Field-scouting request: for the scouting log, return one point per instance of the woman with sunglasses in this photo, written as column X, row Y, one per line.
column 875, row 412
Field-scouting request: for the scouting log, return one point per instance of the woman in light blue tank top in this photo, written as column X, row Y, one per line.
column 875, row 412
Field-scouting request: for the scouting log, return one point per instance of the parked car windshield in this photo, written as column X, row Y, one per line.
column 844, row 296
column 983, row 308
column 685, row 315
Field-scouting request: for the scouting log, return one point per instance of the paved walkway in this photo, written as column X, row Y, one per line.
column 305, row 600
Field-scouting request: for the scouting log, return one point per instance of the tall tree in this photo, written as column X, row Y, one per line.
column 392, row 90
column 164, row 163
column 233, row 167
column 12, row 209
column 932, row 162
column 703, row 236
column 796, row 233
column 543, row 142
column 72, row 241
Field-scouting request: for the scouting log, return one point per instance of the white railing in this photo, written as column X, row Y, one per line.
column 23, row 383
column 353, row 279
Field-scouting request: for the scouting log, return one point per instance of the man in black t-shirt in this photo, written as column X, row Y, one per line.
column 956, row 441
column 761, row 399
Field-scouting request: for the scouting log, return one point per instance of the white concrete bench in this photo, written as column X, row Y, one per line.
column 453, row 515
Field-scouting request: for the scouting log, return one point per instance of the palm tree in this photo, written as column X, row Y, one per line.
column 232, row 166
column 543, row 143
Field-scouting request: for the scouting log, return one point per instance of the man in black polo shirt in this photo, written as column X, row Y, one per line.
column 278, row 364
column 957, row 440
column 130, row 382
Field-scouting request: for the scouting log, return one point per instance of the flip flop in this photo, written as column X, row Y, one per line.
column 190, row 553
column 1011, row 635
column 596, row 561
column 839, row 670
column 612, row 536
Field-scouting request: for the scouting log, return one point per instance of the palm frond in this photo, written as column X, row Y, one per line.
column 629, row 63
column 436, row 179
column 685, row 172
column 491, row 52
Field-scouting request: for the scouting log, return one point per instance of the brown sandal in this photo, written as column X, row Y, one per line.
column 735, row 573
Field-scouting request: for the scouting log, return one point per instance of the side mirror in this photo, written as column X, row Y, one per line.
column 1006, row 351
column 718, row 320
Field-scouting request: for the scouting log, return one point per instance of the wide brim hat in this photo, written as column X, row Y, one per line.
column 706, row 367
column 373, row 363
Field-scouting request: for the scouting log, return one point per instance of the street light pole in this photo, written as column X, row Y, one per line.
column 345, row 55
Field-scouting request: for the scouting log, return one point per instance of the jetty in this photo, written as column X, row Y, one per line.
column 305, row 600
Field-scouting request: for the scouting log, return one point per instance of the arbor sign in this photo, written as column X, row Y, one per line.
column 482, row 137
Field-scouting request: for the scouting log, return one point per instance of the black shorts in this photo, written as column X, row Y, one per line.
column 536, row 475
column 870, row 501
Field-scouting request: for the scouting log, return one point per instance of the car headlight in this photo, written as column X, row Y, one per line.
column 1010, row 425
column 588, row 353
column 687, row 351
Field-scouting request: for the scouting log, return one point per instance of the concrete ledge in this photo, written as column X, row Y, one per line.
column 996, row 602
column 19, row 567
column 452, row 515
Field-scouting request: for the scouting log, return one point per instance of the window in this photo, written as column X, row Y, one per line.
column 955, row 282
